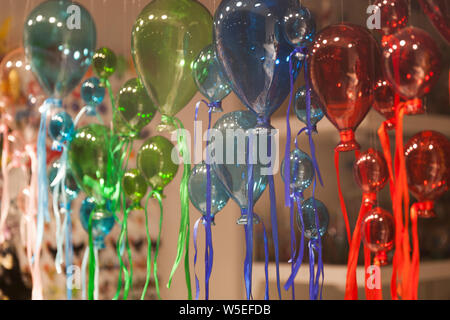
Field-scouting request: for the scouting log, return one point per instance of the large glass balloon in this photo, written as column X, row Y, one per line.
column 155, row 162
column 208, row 76
column 134, row 106
column 412, row 62
column 343, row 74
column 302, row 170
column 198, row 190
column 167, row 37
column 311, row 208
column 229, row 157
column 59, row 45
column 254, row 52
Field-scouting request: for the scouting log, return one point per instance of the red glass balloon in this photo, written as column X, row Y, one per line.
column 370, row 171
column 412, row 62
column 378, row 232
column 384, row 99
column 394, row 15
column 428, row 168
column 439, row 13
column 342, row 72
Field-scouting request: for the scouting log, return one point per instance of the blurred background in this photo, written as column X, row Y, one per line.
column 114, row 19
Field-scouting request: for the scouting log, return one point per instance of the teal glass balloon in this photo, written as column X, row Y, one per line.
column 229, row 158
column 316, row 107
column 102, row 221
column 70, row 188
column 302, row 170
column 198, row 189
column 309, row 218
column 61, row 127
column 93, row 92
column 59, row 40
column 208, row 76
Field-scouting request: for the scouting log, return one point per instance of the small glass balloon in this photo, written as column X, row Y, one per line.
column 302, row 170
column 93, row 92
column 134, row 186
column 71, row 187
column 300, row 26
column 198, row 189
column 316, row 107
column 309, row 208
column 209, row 78
column 104, row 63
column 61, row 127
column 102, row 221
column 370, row 171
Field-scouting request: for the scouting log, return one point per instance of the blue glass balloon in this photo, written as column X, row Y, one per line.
column 59, row 40
column 309, row 219
column 302, row 170
column 93, row 92
column 102, row 221
column 71, row 187
column 316, row 107
column 254, row 51
column 61, row 127
column 300, row 26
column 229, row 157
column 197, row 190
column 208, row 76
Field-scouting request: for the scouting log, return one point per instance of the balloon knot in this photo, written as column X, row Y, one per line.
column 216, row 107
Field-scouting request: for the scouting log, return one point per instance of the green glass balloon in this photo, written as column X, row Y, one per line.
column 88, row 158
column 134, row 185
column 59, row 40
column 166, row 38
column 155, row 163
column 134, row 106
column 104, row 63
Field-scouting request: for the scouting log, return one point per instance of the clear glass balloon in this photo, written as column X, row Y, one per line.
column 71, row 187
column 102, row 221
column 208, row 76
column 198, row 189
column 229, row 158
column 300, row 26
column 316, row 107
column 302, row 170
column 61, row 127
column 309, row 208
column 93, row 92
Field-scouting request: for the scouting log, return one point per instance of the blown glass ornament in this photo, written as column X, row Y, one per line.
column 310, row 208
column 92, row 92
column 316, row 107
column 104, row 63
column 102, row 222
column 302, row 170
column 370, row 171
column 394, row 15
column 61, row 127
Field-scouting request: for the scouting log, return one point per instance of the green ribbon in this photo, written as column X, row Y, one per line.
column 185, row 226
column 91, row 261
column 149, row 249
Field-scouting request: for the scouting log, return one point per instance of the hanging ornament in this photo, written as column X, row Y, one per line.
column 438, row 11
column 92, row 93
column 301, row 108
column 104, row 63
column 394, row 15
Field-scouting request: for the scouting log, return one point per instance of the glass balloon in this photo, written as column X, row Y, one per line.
column 229, row 158
column 134, row 106
column 198, row 189
column 155, row 163
column 134, row 185
column 378, row 233
column 104, row 63
column 302, row 170
column 412, row 62
column 102, row 221
column 254, row 52
column 59, row 53
column 384, row 99
column 300, row 26
column 70, row 188
column 370, row 171
column 208, row 76
column 343, row 75
column 310, row 208
column 438, row 11
column 167, row 37
column 61, row 127
column 316, row 107
column 427, row 159
column 394, row 15
column 93, row 92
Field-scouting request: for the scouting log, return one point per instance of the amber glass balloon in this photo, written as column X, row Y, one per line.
column 394, row 15
column 371, row 171
column 343, row 74
column 378, row 229
column 428, row 168
column 412, row 62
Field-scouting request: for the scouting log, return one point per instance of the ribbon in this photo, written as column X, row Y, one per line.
column 84, row 264
column 195, row 234
column 316, row 245
column 415, row 264
column 92, row 262
column 266, row 260
column 119, row 249
column 5, row 195
column 184, row 232
column 158, row 197
column 69, row 251
column 149, row 249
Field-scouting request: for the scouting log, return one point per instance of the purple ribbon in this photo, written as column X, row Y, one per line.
column 317, row 245
column 197, row 284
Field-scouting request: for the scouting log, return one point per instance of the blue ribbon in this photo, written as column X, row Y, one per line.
column 266, row 260
column 195, row 234
column 69, row 252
